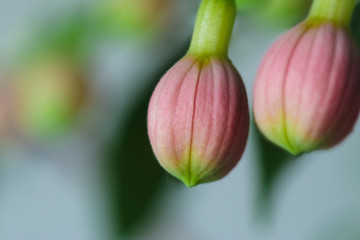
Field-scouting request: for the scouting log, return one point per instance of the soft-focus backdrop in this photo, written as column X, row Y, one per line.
column 75, row 160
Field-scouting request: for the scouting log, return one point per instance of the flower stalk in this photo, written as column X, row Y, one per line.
column 213, row 28
column 198, row 117
column 337, row 11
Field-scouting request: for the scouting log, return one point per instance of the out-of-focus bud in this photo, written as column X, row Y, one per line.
column 283, row 12
column 307, row 91
column 131, row 16
column 50, row 95
column 198, row 118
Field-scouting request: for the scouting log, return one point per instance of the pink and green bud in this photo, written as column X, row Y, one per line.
column 198, row 117
column 307, row 90
column 50, row 96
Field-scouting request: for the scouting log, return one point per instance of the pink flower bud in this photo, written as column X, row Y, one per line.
column 198, row 119
column 307, row 91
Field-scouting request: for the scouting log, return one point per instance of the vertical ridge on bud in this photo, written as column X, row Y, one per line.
column 307, row 90
column 198, row 117
column 198, row 120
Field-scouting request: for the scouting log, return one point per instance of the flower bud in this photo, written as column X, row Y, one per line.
column 307, row 90
column 198, row 118
column 50, row 95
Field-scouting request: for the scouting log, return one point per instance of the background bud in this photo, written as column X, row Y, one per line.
column 198, row 119
column 50, row 94
column 307, row 91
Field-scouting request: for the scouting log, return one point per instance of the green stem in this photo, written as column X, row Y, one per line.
column 337, row 11
column 213, row 28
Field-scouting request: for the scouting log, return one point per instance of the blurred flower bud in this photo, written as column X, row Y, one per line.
column 307, row 91
column 198, row 118
column 50, row 95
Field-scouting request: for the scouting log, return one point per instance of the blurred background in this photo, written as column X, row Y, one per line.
column 75, row 160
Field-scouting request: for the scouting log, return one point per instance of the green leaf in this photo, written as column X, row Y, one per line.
column 271, row 160
column 134, row 176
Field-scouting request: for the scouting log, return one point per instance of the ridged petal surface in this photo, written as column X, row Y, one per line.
column 198, row 119
column 307, row 89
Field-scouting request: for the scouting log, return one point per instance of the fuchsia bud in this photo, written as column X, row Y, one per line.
column 51, row 93
column 198, row 118
column 307, row 91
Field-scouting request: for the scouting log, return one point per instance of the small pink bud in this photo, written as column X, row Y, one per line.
column 198, row 119
column 307, row 91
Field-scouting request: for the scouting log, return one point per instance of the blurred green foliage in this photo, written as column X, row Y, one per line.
column 284, row 13
column 131, row 19
column 275, row 13
column 249, row 5
column 135, row 178
column 68, row 38
column 271, row 161
column 355, row 24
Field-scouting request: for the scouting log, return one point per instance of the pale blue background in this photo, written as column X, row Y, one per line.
column 58, row 194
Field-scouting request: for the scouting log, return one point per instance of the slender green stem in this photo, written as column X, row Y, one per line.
column 213, row 28
column 337, row 11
